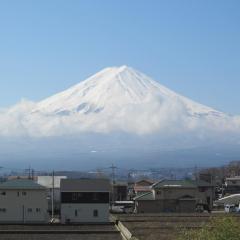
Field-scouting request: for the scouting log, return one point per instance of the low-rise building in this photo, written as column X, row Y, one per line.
column 119, row 191
column 23, row 201
column 52, row 184
column 175, row 196
column 142, row 186
column 232, row 185
column 85, row 200
column 205, row 193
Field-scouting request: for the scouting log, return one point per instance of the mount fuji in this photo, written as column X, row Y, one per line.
column 113, row 89
column 119, row 113
column 122, row 99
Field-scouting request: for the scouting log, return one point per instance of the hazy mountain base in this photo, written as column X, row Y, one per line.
column 91, row 151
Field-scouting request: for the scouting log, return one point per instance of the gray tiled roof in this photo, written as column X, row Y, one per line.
column 85, row 185
column 175, row 183
column 21, row 184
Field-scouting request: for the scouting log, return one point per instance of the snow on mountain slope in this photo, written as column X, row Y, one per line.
column 117, row 99
column 113, row 89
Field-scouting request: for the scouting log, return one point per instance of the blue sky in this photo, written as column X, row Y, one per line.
column 190, row 46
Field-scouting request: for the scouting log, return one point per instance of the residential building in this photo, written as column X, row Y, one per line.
column 232, row 185
column 119, row 191
column 142, row 186
column 27, row 177
column 23, row 201
column 84, row 200
column 52, row 184
column 175, row 196
column 205, row 193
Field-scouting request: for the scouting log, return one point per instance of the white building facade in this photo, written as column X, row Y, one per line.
column 23, row 201
column 52, row 183
column 85, row 200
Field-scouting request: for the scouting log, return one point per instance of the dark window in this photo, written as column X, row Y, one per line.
column 74, row 196
column 38, row 210
column 3, row 193
column 95, row 196
column 18, row 194
column 95, row 213
column 2, row 209
column 29, row 209
column 24, row 193
column 85, row 197
column 76, row 213
column 202, row 189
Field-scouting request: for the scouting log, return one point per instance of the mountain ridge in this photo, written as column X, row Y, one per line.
column 117, row 86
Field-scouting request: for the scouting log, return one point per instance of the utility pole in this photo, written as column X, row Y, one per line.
column 52, row 195
column 196, row 172
column 113, row 181
column 32, row 174
column 29, row 172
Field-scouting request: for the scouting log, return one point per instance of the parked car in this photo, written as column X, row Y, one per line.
column 231, row 208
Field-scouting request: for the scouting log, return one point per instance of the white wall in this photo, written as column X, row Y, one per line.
column 84, row 212
column 17, row 206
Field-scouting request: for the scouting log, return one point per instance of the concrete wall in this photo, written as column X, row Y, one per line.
column 148, row 206
column 186, row 206
column 168, row 205
column 57, row 199
column 84, row 212
column 20, row 208
column 174, row 193
column 203, row 196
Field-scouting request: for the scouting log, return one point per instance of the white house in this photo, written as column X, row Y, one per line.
column 85, row 200
column 51, row 183
column 23, row 201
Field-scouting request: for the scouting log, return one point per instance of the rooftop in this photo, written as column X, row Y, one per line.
column 85, row 185
column 47, row 181
column 21, row 184
column 175, row 184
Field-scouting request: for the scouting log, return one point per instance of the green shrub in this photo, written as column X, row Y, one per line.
column 221, row 228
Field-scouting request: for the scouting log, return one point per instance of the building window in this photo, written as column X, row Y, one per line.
column 3, row 193
column 18, row 194
column 202, row 189
column 24, row 193
column 74, row 196
column 38, row 210
column 29, row 209
column 95, row 196
column 95, row 213
column 2, row 209
column 158, row 192
column 76, row 213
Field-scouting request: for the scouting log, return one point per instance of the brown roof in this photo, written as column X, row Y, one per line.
column 144, row 182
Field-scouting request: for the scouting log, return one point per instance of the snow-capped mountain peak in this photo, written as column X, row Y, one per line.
column 112, row 89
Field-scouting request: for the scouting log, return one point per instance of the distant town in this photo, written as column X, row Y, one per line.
column 110, row 202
